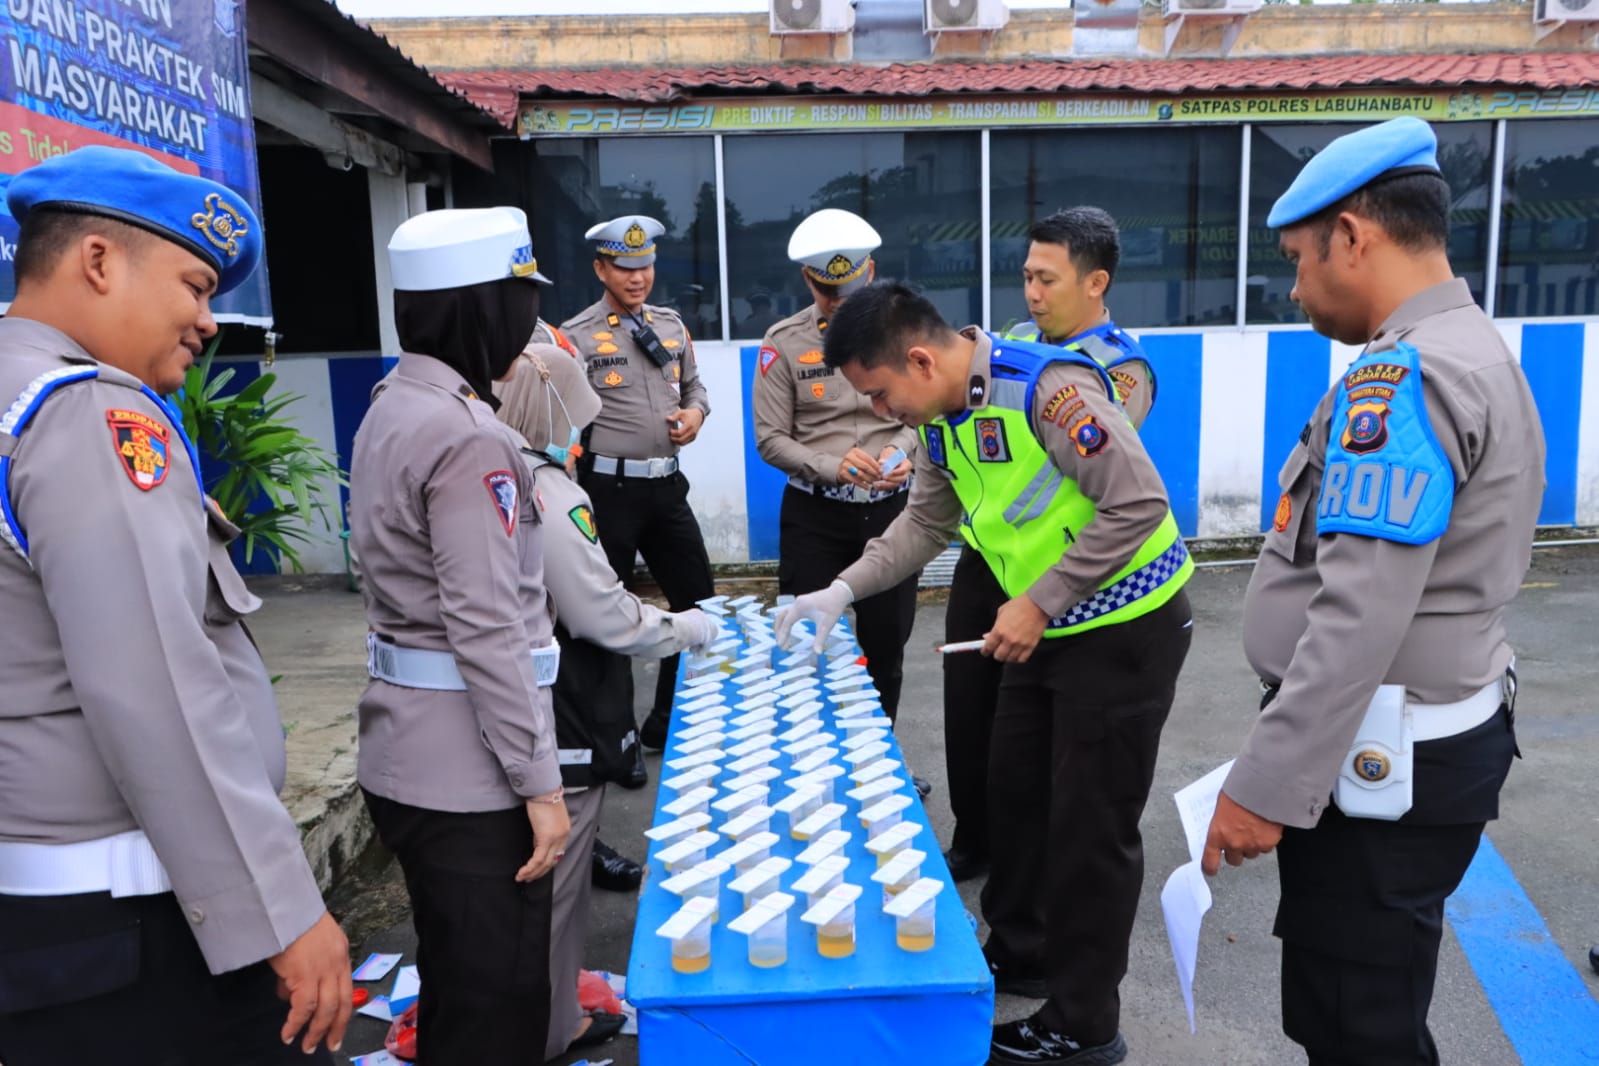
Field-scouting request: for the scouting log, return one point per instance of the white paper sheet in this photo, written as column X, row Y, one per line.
column 1186, row 897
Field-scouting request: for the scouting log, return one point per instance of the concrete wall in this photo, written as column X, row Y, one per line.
column 1230, row 406
column 730, row 40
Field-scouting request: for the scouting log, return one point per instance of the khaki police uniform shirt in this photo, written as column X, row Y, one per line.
column 445, row 568
column 806, row 414
column 589, row 598
column 1330, row 618
column 1129, row 496
column 636, row 396
column 134, row 698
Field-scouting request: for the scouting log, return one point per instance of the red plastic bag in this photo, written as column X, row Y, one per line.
column 594, row 994
column 401, row 1041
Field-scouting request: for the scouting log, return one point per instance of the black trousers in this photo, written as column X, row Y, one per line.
column 90, row 979
column 483, row 940
column 1362, row 907
column 1072, row 759
column 651, row 516
column 818, row 538
column 971, row 693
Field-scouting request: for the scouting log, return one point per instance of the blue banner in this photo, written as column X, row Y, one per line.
column 167, row 77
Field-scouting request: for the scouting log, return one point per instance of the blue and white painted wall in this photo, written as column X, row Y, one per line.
column 1231, row 406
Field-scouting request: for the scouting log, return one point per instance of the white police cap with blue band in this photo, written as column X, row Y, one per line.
column 462, row 246
column 1391, row 149
column 628, row 241
column 833, row 248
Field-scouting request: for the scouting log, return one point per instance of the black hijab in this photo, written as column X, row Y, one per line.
column 476, row 330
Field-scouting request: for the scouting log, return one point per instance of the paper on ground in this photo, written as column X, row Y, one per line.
column 376, row 967
column 1184, row 901
column 1186, row 897
column 376, row 1007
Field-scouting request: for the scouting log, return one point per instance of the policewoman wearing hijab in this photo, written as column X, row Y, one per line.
column 599, row 624
column 458, row 759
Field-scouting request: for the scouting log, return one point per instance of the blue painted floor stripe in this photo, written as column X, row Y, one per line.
column 1543, row 1004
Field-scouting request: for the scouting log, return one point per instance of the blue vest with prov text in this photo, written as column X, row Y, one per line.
column 1386, row 474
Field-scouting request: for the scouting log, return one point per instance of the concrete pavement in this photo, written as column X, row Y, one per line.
column 1547, row 833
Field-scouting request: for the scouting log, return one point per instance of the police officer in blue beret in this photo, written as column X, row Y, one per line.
column 1376, row 613
column 155, row 902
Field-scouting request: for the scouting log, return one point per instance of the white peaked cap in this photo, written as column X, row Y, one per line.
column 464, row 246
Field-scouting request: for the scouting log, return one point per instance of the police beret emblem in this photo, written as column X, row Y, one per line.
column 1371, row 765
column 839, row 266
column 221, row 223
column 634, row 237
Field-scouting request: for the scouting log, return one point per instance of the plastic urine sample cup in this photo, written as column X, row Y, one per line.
column 763, row 728
column 899, row 873
column 860, row 695
column 821, row 847
column 862, row 737
column 815, row 760
column 799, row 805
column 714, row 713
column 822, row 775
column 667, row 832
column 884, row 815
column 863, row 756
column 708, row 757
column 800, row 699
column 739, row 802
column 755, row 677
column 834, row 918
column 742, row 601
column 760, row 880
column 753, row 761
column 708, row 689
column 826, row 818
column 704, row 666
column 701, row 743
column 757, row 819
column 744, row 855
column 703, row 879
column 758, row 661
column 763, row 685
column 891, row 842
column 805, row 712
column 870, row 793
column 763, row 775
column 846, row 669
column 821, row 878
column 682, row 854
column 800, row 731
column 803, row 657
column 704, row 702
column 849, row 682
column 689, row 931
column 795, row 687
column 872, row 719
column 699, row 729
column 914, row 912
column 766, row 925
column 755, row 701
column 875, row 771
column 711, row 602
column 803, row 747
column 697, row 801
column 692, row 779
column 860, row 709
column 750, row 745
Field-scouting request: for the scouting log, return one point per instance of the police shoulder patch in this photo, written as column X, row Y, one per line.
column 992, row 446
column 768, row 355
column 141, row 445
column 503, row 492
column 1057, row 401
column 1089, row 437
column 583, row 519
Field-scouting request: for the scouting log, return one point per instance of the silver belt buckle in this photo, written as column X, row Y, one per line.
column 658, row 467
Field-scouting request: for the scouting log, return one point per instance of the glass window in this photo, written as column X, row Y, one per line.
column 919, row 190
column 1173, row 193
column 1465, row 153
column 1548, row 240
column 567, row 185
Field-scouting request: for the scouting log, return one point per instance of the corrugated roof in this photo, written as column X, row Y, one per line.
column 497, row 91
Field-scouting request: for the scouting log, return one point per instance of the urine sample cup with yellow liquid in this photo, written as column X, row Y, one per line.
column 760, row 880
column 701, row 879
column 689, row 931
column 695, row 801
column 821, row 878
column 892, row 841
column 885, row 814
column 826, row 819
column 823, row 776
column 815, row 760
column 678, row 827
column 756, row 819
column 915, row 914
column 761, row 777
column 821, row 847
column 689, row 851
column 899, row 872
column 766, row 925
column 834, row 918
column 799, row 805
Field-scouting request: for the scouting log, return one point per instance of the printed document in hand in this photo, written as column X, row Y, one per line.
column 1186, row 897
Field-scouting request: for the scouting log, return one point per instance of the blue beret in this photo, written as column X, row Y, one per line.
column 1390, row 149
column 204, row 216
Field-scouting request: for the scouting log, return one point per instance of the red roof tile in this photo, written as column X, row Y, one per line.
column 497, row 90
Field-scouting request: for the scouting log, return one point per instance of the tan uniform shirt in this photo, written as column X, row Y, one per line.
column 806, row 415
column 1331, row 618
column 1129, row 497
column 635, row 394
column 445, row 567
column 134, row 698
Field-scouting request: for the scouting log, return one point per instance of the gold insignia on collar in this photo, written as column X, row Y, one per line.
column 221, row 223
column 634, row 237
column 839, row 266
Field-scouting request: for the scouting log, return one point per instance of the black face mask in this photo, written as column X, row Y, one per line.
column 476, row 330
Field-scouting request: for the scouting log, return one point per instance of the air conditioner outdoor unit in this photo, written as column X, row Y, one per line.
column 947, row 16
column 1212, row 7
column 813, row 16
column 1568, row 10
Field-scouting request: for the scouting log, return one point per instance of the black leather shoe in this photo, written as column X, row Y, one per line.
column 1027, row 1041
column 638, row 775
column 602, row 1027
column 652, row 734
column 924, row 787
column 1593, row 958
column 1013, row 980
column 964, row 866
column 613, row 872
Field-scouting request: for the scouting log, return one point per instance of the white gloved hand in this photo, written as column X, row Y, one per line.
column 823, row 608
column 705, row 628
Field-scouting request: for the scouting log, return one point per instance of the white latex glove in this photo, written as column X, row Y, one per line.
column 702, row 624
column 823, row 609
